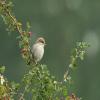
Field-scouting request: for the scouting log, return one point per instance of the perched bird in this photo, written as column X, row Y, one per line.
column 38, row 49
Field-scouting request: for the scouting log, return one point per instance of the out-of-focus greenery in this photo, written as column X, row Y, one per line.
column 37, row 80
column 62, row 23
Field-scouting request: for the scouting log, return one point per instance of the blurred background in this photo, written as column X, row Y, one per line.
column 62, row 23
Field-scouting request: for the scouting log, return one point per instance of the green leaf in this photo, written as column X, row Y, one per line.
column 2, row 69
column 28, row 26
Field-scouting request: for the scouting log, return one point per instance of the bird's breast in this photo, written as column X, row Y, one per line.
column 38, row 51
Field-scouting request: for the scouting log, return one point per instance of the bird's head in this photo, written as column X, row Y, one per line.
column 41, row 41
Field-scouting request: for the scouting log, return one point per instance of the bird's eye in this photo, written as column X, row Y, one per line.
column 41, row 41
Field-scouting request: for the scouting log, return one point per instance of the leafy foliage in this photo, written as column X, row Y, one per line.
column 37, row 82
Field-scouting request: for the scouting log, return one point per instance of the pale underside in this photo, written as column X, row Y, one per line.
column 38, row 51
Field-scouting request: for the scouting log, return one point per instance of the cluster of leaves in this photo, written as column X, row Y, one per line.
column 5, row 9
column 37, row 82
column 14, row 25
column 78, row 53
column 42, row 85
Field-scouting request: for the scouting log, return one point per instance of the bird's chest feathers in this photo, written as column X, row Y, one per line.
column 38, row 51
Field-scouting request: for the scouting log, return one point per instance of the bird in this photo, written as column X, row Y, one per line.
column 38, row 49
